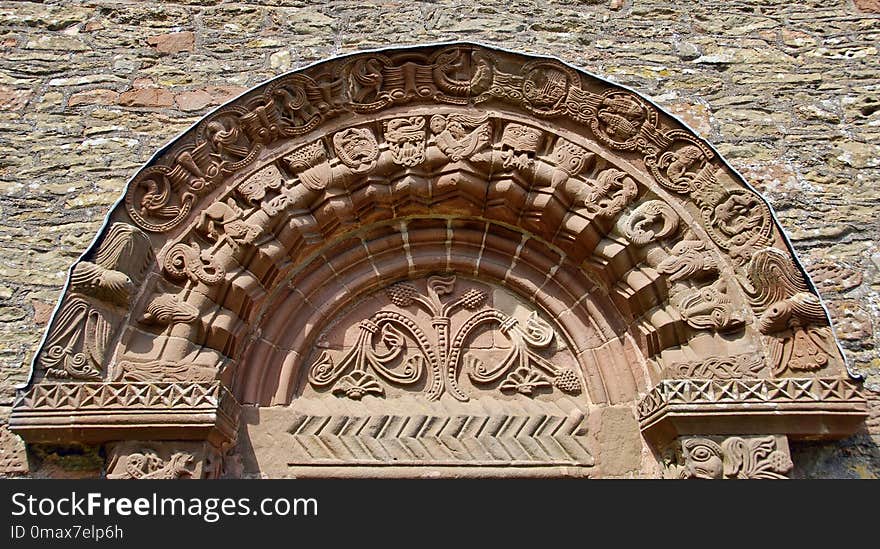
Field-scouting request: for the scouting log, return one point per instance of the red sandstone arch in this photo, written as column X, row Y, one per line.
column 663, row 272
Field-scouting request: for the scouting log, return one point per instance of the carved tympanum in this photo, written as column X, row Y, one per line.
column 380, row 354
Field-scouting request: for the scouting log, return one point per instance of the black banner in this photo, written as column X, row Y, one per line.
column 371, row 513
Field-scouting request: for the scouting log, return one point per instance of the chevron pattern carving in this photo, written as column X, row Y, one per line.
column 459, row 435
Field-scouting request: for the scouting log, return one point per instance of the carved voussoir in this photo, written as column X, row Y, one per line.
column 740, row 223
column 223, row 221
column 406, row 140
column 651, row 221
column 623, row 121
column 708, row 307
column 612, row 191
column 254, row 188
column 792, row 318
column 77, row 344
column 189, row 262
column 746, row 457
column 519, row 144
column 461, row 136
column 356, row 148
column 684, row 166
column 689, row 259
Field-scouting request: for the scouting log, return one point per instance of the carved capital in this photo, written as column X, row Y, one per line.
column 163, row 460
column 746, row 457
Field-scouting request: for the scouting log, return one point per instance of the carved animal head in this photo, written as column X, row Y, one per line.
column 703, row 458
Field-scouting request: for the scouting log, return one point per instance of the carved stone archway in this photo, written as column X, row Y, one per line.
column 443, row 260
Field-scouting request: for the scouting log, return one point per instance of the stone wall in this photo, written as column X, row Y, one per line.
column 788, row 92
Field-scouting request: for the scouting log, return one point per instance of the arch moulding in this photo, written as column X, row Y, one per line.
column 441, row 260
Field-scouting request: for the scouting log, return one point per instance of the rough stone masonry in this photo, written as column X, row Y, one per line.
column 788, row 93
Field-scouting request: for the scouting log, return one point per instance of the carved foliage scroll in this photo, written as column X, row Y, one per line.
column 379, row 356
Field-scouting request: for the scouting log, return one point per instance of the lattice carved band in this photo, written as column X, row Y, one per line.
column 100, row 412
column 799, row 407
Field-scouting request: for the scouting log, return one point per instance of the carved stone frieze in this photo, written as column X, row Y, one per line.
column 798, row 407
column 102, row 412
column 448, row 433
column 722, row 368
column 755, row 457
column 163, row 371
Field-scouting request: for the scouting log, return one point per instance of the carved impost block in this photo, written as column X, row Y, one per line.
column 803, row 408
column 152, row 460
column 107, row 412
column 747, row 457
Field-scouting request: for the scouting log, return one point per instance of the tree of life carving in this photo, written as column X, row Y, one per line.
column 380, row 352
